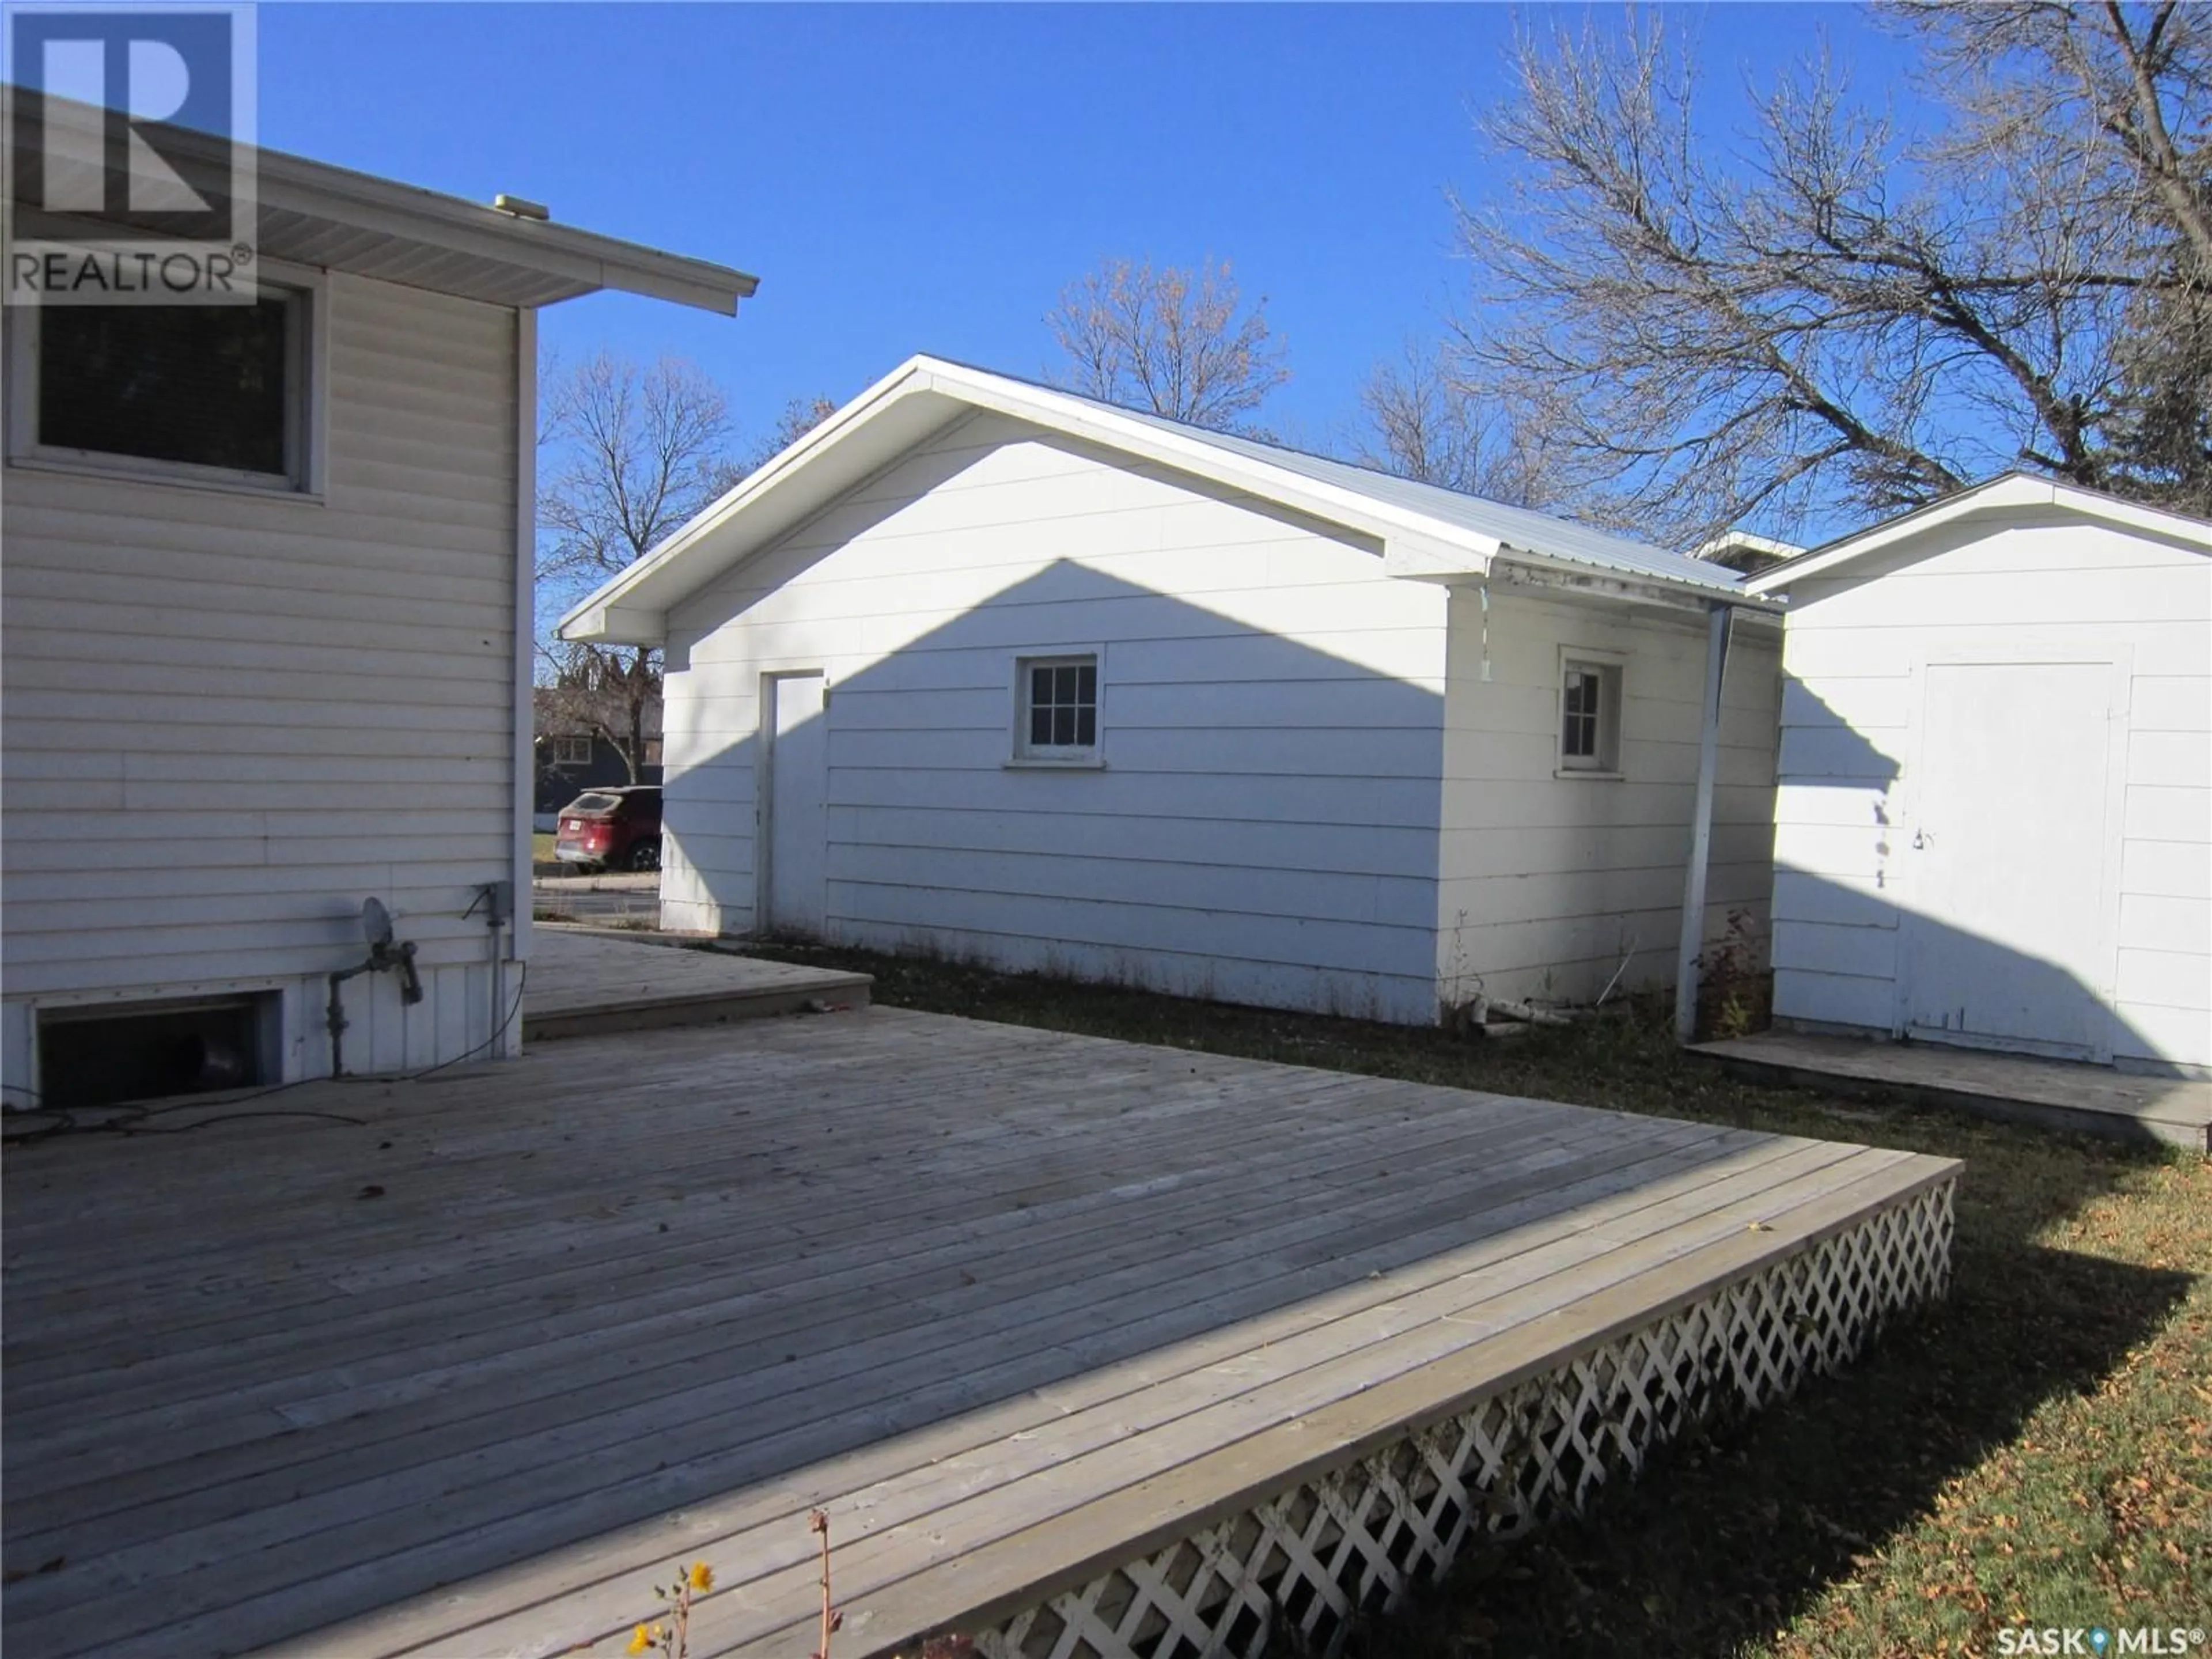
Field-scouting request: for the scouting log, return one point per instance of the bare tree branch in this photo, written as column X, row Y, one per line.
column 798, row 417
column 1831, row 315
column 1425, row 423
column 633, row 452
column 1176, row 342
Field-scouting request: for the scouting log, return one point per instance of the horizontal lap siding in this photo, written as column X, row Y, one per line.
column 1551, row 884
column 232, row 718
column 2029, row 590
column 1264, row 829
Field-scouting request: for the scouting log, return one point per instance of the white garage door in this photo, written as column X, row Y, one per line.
column 2006, row 936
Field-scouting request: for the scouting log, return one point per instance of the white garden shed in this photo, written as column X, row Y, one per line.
column 984, row 668
column 1994, row 824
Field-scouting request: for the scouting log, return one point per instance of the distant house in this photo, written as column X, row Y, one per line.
column 572, row 755
column 267, row 638
column 984, row 668
column 1995, row 821
column 1747, row 554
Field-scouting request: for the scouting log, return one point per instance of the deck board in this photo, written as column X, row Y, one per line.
column 661, row 1293
column 584, row 981
column 2056, row 1094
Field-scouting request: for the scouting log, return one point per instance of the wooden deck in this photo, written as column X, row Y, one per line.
column 583, row 983
column 1076, row 1341
column 2054, row 1094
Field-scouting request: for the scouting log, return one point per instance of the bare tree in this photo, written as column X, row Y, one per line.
column 1837, row 318
column 1425, row 423
column 1179, row 343
column 2117, row 99
column 635, row 451
column 2133, row 81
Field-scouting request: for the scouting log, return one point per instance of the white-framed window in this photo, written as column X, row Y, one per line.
column 220, row 396
column 1590, row 713
column 569, row 750
column 1056, row 709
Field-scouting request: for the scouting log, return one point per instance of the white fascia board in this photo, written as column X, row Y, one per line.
column 2011, row 493
column 654, row 574
column 936, row 391
column 1423, row 558
column 411, row 213
column 607, row 624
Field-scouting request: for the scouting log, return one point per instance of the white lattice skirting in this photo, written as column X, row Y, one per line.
column 1353, row 1540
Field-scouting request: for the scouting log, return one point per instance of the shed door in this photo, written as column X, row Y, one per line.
column 797, row 838
column 2005, row 923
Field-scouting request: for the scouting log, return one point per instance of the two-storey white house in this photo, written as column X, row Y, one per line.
column 268, row 624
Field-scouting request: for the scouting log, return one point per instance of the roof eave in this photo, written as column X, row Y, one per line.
column 1652, row 588
column 590, row 260
column 1409, row 544
column 603, row 617
column 632, row 607
column 2008, row 492
column 300, row 199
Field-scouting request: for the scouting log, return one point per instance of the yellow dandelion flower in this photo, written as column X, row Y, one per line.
column 703, row 1576
column 642, row 1638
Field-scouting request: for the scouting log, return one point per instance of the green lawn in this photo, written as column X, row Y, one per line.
column 541, row 846
column 2035, row 1450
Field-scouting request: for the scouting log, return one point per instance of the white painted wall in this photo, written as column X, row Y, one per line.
column 2044, row 585
column 231, row 716
column 1264, row 828
column 1551, row 879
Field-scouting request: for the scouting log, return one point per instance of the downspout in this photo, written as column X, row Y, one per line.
column 1719, row 623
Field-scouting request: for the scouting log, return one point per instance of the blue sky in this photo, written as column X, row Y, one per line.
column 928, row 178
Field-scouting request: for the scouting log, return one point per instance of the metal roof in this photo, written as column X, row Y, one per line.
column 1424, row 532
column 1521, row 529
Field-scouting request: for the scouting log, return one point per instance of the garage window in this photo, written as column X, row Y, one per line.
column 1056, row 716
column 1589, row 716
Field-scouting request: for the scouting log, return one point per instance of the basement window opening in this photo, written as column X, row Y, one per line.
column 114, row 1055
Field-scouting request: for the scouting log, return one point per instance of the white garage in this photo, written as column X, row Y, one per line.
column 1994, row 812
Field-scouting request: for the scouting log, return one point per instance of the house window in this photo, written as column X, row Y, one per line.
column 210, row 394
column 1589, row 716
column 570, row 750
column 1058, row 716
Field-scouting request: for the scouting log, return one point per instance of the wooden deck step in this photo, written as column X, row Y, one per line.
column 586, row 981
column 2080, row 1099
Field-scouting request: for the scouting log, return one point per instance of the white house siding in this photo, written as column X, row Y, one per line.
column 231, row 717
column 2015, row 587
column 1264, row 829
column 1551, row 882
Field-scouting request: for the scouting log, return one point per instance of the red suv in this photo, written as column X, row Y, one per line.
column 612, row 829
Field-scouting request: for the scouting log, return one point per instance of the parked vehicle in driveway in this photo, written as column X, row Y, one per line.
column 611, row 828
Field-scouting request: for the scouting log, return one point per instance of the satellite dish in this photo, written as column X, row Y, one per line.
column 376, row 923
